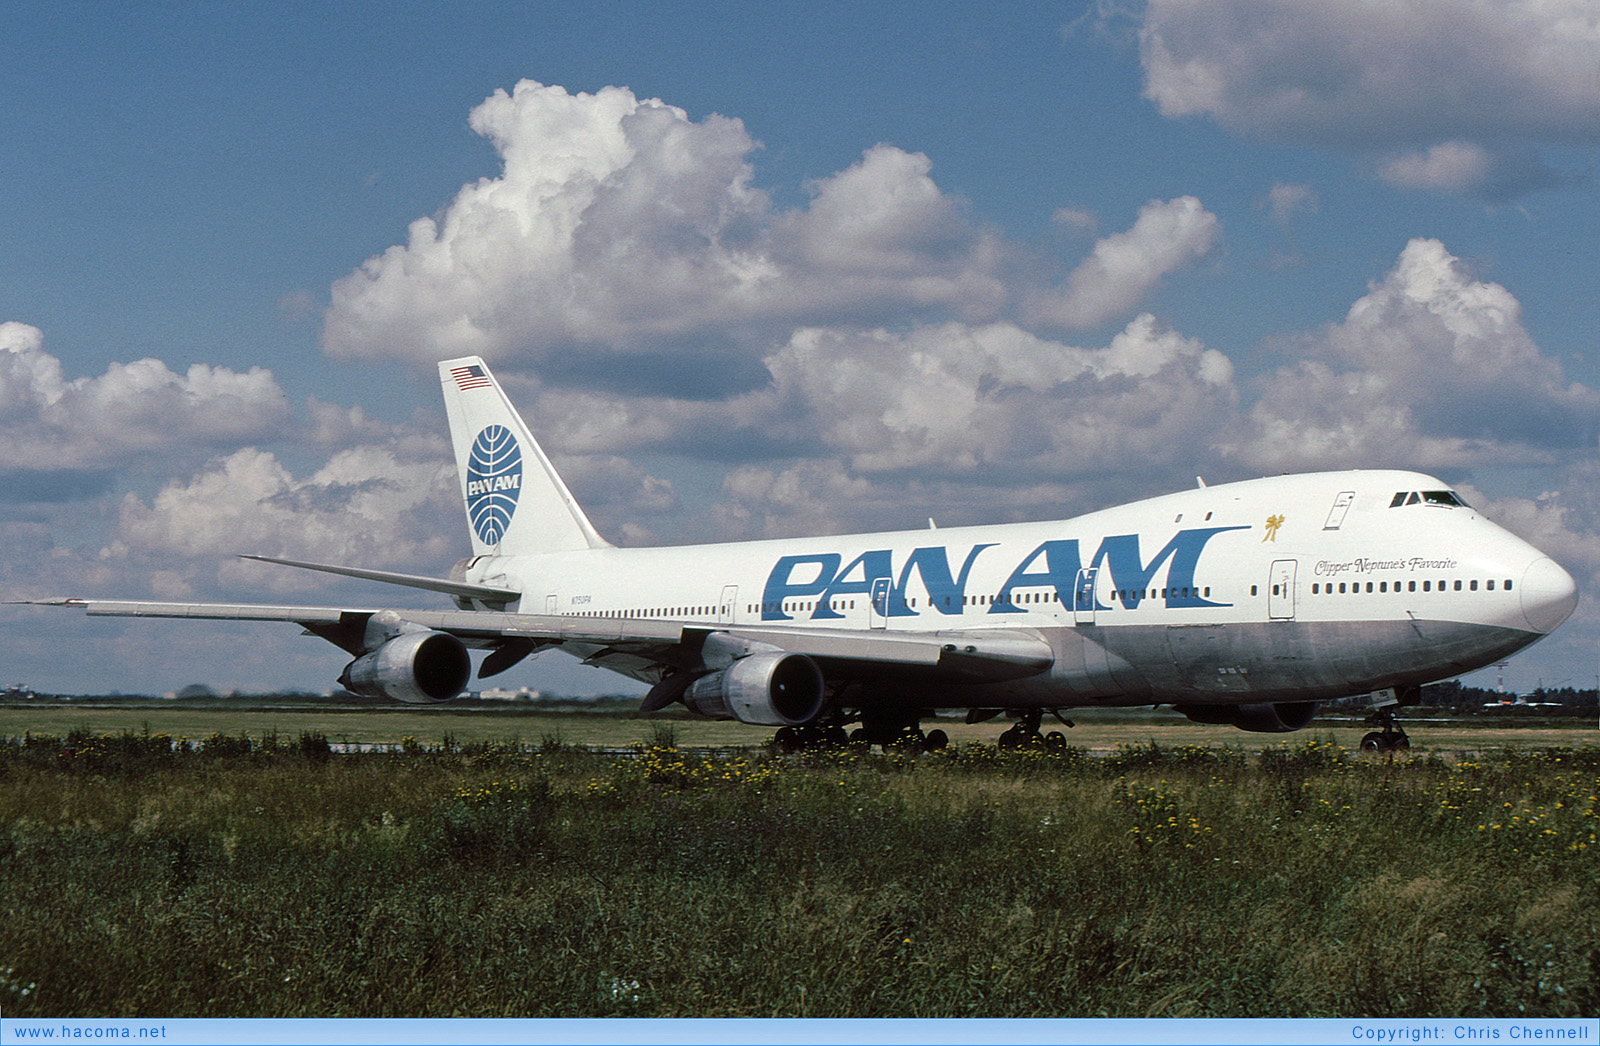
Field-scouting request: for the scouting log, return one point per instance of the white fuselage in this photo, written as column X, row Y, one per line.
column 1288, row 588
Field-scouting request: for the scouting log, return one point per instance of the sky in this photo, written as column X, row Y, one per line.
column 760, row 270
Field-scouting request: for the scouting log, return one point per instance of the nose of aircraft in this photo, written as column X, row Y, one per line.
column 1548, row 595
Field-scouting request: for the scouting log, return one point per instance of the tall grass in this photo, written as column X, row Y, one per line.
column 268, row 877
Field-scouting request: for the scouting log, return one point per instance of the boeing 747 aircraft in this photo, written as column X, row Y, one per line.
column 1244, row 604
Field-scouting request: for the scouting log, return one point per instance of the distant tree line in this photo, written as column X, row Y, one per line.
column 1458, row 699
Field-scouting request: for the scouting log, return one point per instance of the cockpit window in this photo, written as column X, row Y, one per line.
column 1428, row 497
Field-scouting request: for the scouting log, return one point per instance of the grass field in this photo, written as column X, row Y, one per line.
column 237, row 877
column 1096, row 730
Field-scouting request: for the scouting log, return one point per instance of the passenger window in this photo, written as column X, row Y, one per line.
column 1474, row 585
column 1411, row 586
column 1383, row 586
column 1314, row 588
column 1508, row 584
column 1491, row 584
column 1427, row 586
column 1369, row 586
column 1458, row 586
column 1341, row 588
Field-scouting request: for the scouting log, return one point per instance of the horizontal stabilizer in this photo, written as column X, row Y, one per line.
column 486, row 593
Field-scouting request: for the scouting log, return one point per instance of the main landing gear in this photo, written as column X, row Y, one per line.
column 892, row 735
column 790, row 739
column 1026, row 733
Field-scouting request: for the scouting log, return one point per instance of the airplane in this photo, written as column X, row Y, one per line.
column 1243, row 604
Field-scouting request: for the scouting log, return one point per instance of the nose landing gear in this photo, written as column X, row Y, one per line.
column 1391, row 738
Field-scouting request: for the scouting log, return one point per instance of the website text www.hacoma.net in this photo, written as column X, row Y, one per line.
column 91, row 1031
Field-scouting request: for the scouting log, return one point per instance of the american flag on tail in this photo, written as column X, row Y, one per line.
column 471, row 377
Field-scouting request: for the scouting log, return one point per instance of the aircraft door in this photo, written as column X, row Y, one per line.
column 1083, row 596
column 1341, row 506
column 878, row 610
column 1280, row 590
column 552, row 604
column 726, row 608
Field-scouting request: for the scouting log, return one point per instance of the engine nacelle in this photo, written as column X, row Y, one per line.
column 1263, row 718
column 768, row 689
column 419, row 668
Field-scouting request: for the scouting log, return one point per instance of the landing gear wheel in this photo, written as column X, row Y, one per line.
column 786, row 741
column 1390, row 739
column 937, row 741
column 1055, row 741
column 1025, row 734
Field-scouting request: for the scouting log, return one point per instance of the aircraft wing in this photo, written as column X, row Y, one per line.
column 640, row 647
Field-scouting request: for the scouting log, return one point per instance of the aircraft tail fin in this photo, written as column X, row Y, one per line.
column 516, row 502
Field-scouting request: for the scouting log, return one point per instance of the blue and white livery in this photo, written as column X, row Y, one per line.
column 1246, row 603
column 494, row 481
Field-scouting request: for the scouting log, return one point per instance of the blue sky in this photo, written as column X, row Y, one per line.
column 759, row 269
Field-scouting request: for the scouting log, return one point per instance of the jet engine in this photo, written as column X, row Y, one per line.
column 767, row 689
column 1264, row 718
column 419, row 668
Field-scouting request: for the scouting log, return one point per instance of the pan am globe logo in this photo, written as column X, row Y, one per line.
column 494, row 481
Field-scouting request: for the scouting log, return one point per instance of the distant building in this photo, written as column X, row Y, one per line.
column 503, row 694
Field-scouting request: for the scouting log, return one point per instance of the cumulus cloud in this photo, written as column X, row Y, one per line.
column 996, row 398
column 1430, row 368
column 367, row 505
column 1468, row 169
column 51, row 424
column 1125, row 267
column 620, row 233
column 1478, row 79
column 618, row 223
column 965, row 407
